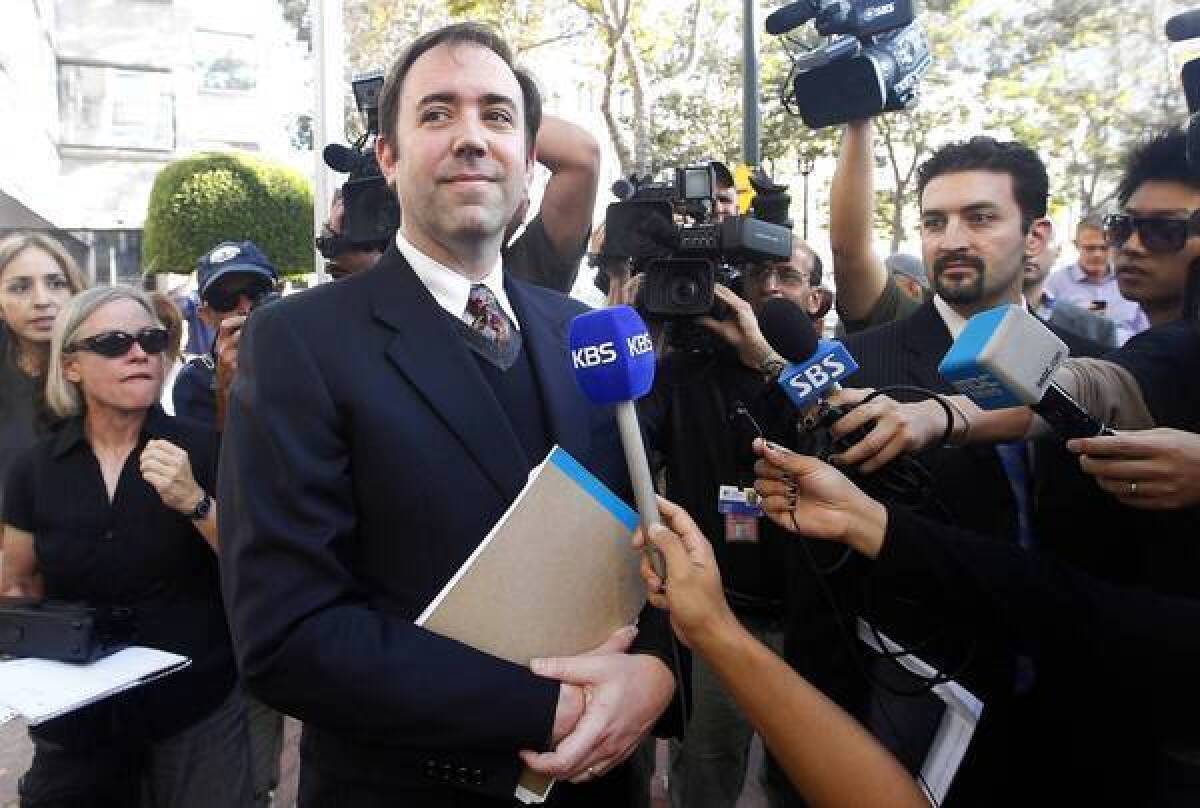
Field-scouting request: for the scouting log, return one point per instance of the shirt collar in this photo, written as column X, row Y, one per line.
column 955, row 322
column 71, row 432
column 451, row 289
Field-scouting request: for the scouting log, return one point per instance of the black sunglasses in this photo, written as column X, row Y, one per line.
column 113, row 344
column 223, row 300
column 1158, row 234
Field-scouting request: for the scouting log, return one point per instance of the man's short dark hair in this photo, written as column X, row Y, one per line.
column 1031, row 184
column 1093, row 221
column 463, row 33
column 1162, row 158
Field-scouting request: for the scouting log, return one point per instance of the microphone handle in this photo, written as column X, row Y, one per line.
column 1066, row 417
column 643, row 483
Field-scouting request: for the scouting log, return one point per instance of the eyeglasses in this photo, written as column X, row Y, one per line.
column 114, row 344
column 1158, row 234
column 784, row 275
column 223, row 300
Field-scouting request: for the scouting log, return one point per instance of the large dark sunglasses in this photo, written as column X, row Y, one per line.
column 1158, row 234
column 113, row 344
column 224, row 300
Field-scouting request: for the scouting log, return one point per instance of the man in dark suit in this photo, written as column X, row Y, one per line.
column 983, row 211
column 378, row 428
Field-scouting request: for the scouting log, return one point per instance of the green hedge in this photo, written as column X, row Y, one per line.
column 201, row 201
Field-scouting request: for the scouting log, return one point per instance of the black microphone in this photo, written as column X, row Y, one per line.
column 341, row 159
column 788, row 329
column 1185, row 25
column 790, row 16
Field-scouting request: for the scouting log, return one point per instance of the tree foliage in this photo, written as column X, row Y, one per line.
column 1080, row 81
column 200, row 201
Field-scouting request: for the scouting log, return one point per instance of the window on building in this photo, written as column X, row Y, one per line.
column 116, row 107
column 225, row 62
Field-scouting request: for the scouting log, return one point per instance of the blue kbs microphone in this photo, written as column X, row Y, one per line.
column 1006, row 357
column 815, row 366
column 613, row 357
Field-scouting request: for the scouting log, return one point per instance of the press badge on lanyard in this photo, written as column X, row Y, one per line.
column 741, row 509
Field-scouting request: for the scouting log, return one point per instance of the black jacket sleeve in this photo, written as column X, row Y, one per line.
column 1137, row 640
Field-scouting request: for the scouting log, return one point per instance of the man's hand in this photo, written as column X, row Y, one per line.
column 740, row 329
column 622, row 289
column 803, row 495
column 229, row 335
column 693, row 594
column 571, row 697
column 897, row 428
column 623, row 696
column 1155, row 469
column 167, row 468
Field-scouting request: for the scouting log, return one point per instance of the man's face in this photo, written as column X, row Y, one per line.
column 1157, row 280
column 461, row 165
column 1037, row 267
column 727, row 203
column 232, row 294
column 350, row 261
column 787, row 279
column 972, row 239
column 1093, row 252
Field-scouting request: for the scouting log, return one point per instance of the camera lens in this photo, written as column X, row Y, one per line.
column 683, row 291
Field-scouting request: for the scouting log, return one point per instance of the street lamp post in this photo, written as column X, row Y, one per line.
column 806, row 164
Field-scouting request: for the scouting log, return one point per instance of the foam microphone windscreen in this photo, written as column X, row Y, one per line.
column 341, row 159
column 788, row 329
column 612, row 354
column 1185, row 25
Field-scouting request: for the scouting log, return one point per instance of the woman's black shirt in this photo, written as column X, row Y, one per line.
column 134, row 552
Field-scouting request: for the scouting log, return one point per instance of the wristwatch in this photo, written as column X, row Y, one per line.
column 202, row 508
column 772, row 366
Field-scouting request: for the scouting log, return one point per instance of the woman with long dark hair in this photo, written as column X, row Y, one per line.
column 37, row 278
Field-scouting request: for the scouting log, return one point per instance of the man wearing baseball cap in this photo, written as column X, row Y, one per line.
column 232, row 278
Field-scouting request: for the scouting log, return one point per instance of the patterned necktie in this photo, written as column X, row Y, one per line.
column 491, row 328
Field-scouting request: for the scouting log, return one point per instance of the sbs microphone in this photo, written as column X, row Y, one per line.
column 613, row 358
column 790, row 16
column 1006, row 357
column 815, row 366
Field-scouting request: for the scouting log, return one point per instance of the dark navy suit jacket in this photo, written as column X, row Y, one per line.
column 365, row 456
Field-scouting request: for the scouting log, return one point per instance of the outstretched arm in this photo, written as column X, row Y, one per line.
column 859, row 274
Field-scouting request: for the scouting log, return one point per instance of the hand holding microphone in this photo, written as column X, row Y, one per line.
column 1005, row 357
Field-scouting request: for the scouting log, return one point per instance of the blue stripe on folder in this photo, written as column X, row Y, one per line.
column 598, row 490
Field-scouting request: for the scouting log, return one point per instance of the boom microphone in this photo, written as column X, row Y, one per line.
column 341, row 159
column 1006, row 357
column 790, row 16
column 614, row 360
column 1185, row 25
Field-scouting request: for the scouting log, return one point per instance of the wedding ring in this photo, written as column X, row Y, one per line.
column 1133, row 489
column 591, row 772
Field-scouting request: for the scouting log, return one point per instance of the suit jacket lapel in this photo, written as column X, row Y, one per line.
column 927, row 339
column 544, row 331
column 432, row 356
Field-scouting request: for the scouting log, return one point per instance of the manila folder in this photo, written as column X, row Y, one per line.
column 556, row 576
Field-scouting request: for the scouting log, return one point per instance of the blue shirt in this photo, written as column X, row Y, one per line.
column 1073, row 285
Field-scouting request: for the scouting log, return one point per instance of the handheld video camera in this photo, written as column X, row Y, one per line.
column 878, row 55
column 371, row 211
column 684, row 261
